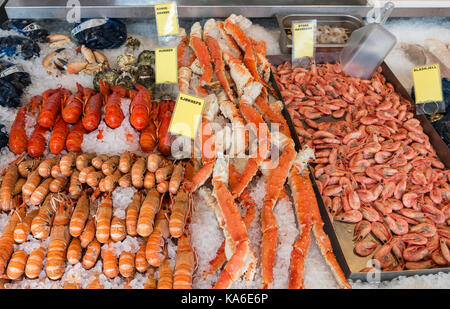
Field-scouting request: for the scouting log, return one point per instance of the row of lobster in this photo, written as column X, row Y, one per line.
column 69, row 116
column 82, row 225
column 374, row 164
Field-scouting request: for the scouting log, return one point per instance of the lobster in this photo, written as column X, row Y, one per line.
column 148, row 137
column 51, row 106
column 140, row 108
column 92, row 109
column 57, row 140
column 17, row 136
column 37, row 142
column 164, row 134
column 113, row 112
column 73, row 106
column 75, row 137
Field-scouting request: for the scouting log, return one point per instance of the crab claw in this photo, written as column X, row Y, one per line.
column 58, row 39
column 69, row 67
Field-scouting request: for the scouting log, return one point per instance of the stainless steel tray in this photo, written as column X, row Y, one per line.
column 348, row 22
column 340, row 233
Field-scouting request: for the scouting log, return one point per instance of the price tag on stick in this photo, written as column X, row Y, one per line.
column 166, row 18
column 187, row 115
column 166, row 65
column 303, row 41
column 428, row 88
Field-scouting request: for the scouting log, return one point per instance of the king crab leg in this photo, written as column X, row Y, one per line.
column 274, row 185
column 201, row 51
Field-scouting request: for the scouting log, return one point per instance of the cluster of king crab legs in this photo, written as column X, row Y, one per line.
column 241, row 93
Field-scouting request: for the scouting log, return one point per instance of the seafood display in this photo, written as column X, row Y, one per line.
column 374, row 165
column 95, row 192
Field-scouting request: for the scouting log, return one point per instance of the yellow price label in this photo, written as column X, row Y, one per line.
column 187, row 115
column 166, row 18
column 166, row 65
column 303, row 39
column 427, row 84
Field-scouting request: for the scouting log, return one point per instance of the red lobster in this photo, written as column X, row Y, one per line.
column 113, row 112
column 17, row 136
column 57, row 140
column 92, row 110
column 73, row 106
column 75, row 137
column 37, row 142
column 140, row 108
column 165, row 114
column 51, row 106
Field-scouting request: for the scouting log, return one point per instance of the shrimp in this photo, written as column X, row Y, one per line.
column 88, row 234
column 132, row 214
column 103, row 219
column 6, row 190
column 148, row 212
column 180, row 210
column 59, row 240
column 79, row 216
column 137, row 172
column 23, row 228
column 7, row 240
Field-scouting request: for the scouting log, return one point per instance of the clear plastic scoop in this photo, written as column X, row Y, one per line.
column 367, row 47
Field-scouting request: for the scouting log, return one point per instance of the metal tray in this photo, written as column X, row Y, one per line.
column 348, row 22
column 340, row 233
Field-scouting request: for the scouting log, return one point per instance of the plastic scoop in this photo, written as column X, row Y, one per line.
column 367, row 47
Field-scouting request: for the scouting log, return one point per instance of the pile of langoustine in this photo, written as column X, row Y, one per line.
column 82, row 226
column 230, row 70
column 69, row 116
column 374, row 164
